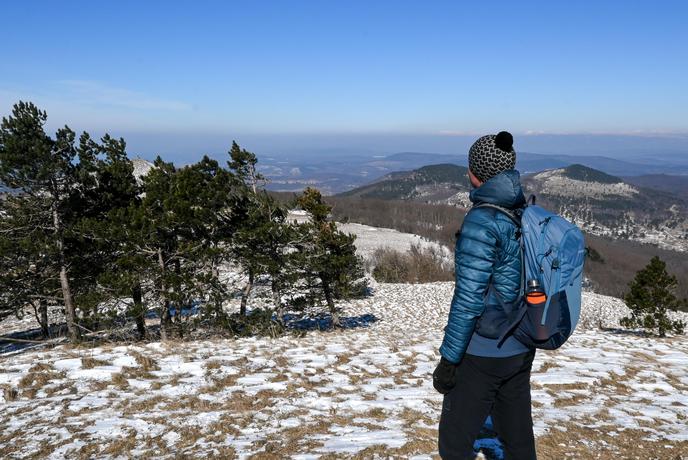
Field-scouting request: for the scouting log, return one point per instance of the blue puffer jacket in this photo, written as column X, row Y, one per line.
column 487, row 251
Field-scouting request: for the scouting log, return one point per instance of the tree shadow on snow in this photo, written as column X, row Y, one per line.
column 622, row 331
column 324, row 322
column 30, row 339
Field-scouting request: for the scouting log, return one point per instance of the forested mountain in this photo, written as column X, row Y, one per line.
column 442, row 182
column 600, row 203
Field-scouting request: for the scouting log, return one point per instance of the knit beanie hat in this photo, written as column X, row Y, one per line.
column 491, row 155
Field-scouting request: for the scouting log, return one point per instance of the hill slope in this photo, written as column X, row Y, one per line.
column 600, row 203
column 430, row 183
column 676, row 185
column 607, row 205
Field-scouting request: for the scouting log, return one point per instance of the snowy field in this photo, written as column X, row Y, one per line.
column 369, row 239
column 356, row 393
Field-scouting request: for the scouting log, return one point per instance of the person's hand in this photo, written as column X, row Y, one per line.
column 444, row 377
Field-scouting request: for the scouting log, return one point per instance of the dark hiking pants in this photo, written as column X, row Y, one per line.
column 489, row 386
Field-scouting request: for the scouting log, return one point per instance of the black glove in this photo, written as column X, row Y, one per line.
column 444, row 377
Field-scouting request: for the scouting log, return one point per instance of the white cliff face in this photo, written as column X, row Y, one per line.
column 555, row 183
column 141, row 168
column 461, row 199
column 613, row 209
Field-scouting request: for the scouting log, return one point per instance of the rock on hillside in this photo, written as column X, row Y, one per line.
column 606, row 205
column 141, row 167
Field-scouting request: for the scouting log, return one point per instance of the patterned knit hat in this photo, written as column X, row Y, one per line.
column 491, row 155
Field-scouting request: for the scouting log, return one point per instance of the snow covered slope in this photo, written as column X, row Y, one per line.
column 363, row 391
column 369, row 239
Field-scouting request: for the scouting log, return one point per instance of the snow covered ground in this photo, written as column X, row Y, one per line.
column 356, row 393
column 369, row 239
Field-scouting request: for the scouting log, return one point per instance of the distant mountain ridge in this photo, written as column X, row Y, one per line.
column 600, row 203
column 676, row 185
column 428, row 183
column 334, row 174
column 607, row 205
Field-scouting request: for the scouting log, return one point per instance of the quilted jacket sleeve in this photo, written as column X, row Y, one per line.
column 475, row 255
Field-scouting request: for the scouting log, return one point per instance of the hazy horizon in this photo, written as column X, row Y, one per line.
column 186, row 148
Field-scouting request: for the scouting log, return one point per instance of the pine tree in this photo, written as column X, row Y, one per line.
column 114, row 190
column 243, row 163
column 49, row 250
column 173, row 235
column 249, row 242
column 262, row 245
column 27, row 281
column 651, row 295
column 328, row 256
column 45, row 172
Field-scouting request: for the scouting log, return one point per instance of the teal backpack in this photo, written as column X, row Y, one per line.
column 552, row 253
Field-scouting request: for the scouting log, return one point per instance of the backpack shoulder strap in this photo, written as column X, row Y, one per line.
column 515, row 218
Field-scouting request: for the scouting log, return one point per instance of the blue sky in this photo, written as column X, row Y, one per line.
column 201, row 72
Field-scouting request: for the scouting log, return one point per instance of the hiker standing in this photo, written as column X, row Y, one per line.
column 477, row 377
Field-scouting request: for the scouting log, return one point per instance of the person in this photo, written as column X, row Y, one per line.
column 477, row 377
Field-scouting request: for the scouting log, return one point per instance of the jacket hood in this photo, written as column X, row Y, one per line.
column 502, row 190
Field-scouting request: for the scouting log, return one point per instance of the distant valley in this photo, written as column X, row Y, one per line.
column 335, row 172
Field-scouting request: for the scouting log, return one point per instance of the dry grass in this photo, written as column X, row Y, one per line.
column 89, row 362
column 568, row 399
column 213, row 365
column 238, row 402
column 220, row 383
column 281, row 362
column 191, row 404
column 281, row 377
column 558, row 387
column 119, row 380
column 627, row 443
column 41, row 367
column 146, row 363
column 376, row 413
column 141, row 406
column 37, row 378
column 343, row 358
column 412, row 417
column 547, row 365
column 125, row 443
column 9, row 393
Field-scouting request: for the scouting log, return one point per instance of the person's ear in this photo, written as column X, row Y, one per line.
column 475, row 182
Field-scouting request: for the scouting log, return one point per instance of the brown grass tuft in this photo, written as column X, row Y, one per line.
column 145, row 362
column 89, row 362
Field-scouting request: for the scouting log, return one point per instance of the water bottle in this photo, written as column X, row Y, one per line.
column 535, row 294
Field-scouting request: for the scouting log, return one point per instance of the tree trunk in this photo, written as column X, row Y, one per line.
column 45, row 324
column 165, row 313
column 139, row 310
column 219, row 313
column 177, row 319
column 41, row 315
column 246, row 293
column 277, row 299
column 330, row 302
column 70, row 310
